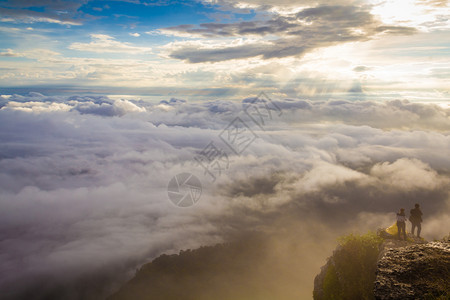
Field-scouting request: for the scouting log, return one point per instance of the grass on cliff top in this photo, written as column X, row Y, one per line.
column 352, row 273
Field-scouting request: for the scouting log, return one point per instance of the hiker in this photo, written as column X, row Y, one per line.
column 401, row 223
column 416, row 218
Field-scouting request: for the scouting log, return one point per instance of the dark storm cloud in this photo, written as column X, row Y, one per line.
column 54, row 11
column 196, row 55
column 261, row 28
column 309, row 29
column 342, row 16
column 329, row 18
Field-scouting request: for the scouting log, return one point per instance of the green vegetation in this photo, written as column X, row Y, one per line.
column 351, row 270
column 331, row 286
column 253, row 266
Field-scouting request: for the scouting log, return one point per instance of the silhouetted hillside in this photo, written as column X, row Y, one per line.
column 248, row 268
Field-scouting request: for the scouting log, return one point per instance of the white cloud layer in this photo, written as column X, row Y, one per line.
column 83, row 179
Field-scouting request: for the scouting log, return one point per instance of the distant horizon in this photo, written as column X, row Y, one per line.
column 227, row 47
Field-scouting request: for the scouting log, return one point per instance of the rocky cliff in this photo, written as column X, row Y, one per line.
column 417, row 271
column 389, row 270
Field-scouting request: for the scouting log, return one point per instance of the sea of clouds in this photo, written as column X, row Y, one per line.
column 83, row 181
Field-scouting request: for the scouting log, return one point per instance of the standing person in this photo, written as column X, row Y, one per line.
column 401, row 223
column 416, row 218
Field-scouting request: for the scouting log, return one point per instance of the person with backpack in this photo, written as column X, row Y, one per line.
column 401, row 224
column 416, row 219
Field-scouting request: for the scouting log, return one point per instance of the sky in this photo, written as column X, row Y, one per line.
column 102, row 103
column 226, row 48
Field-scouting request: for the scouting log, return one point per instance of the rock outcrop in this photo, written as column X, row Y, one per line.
column 417, row 271
column 412, row 269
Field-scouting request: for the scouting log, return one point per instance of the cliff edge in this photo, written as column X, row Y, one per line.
column 418, row 271
column 370, row 267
